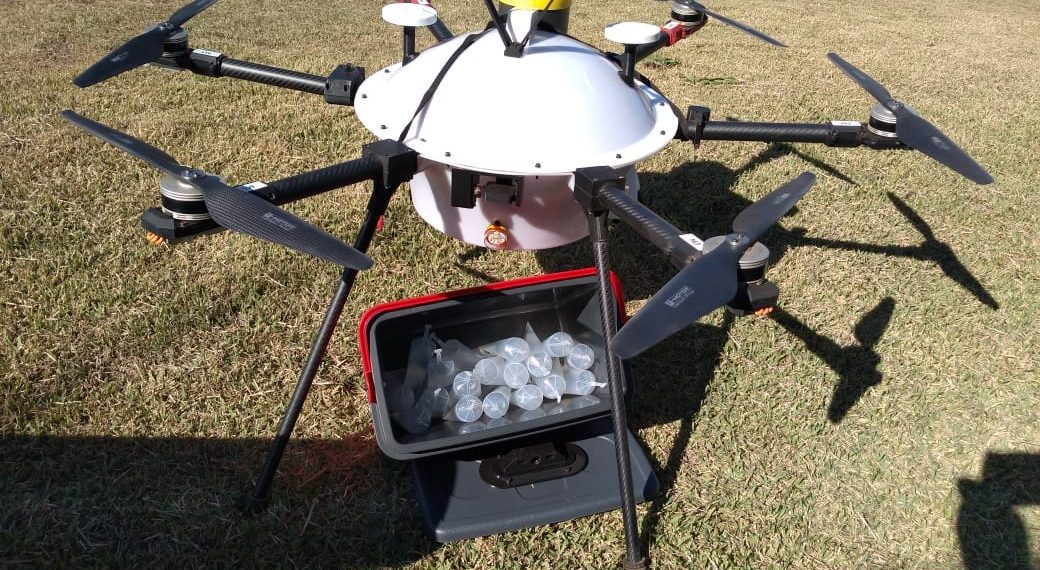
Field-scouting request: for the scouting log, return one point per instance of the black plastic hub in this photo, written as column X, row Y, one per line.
column 343, row 83
column 176, row 44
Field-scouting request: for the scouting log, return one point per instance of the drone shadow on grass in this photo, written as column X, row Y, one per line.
column 139, row 502
column 992, row 535
column 697, row 350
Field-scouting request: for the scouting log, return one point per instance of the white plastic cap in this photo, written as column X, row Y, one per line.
column 409, row 15
column 631, row 33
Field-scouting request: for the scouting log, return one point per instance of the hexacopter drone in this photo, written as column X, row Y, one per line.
column 512, row 187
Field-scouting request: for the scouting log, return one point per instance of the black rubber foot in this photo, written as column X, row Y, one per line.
column 641, row 564
column 252, row 505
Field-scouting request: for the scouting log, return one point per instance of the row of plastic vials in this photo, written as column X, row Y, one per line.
column 461, row 384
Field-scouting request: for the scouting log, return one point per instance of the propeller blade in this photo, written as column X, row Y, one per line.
column 141, row 49
column 865, row 81
column 189, row 11
column 915, row 131
column 250, row 214
column 129, row 144
column 760, row 216
column 709, row 282
column 233, row 209
column 700, row 288
column 738, row 25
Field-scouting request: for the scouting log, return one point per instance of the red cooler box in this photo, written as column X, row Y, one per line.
column 532, row 467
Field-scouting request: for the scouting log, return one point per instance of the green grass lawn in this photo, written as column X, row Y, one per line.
column 887, row 415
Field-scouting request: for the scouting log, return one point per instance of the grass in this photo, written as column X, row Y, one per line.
column 887, row 416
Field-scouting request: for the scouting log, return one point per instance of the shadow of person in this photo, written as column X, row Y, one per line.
column 857, row 365
column 991, row 533
column 143, row 502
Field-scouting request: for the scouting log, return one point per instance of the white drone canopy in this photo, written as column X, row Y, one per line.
column 559, row 107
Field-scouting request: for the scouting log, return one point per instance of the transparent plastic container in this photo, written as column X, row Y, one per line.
column 513, row 349
column 580, row 382
column 489, row 371
column 440, row 371
column 515, row 374
column 465, row 384
column 467, row 409
column 539, row 364
column 496, row 403
column 559, row 344
column 419, row 354
column 553, row 386
column 581, row 357
column 464, row 357
column 528, row 397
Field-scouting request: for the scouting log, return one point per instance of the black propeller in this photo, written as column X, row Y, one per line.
column 236, row 210
column 914, row 131
column 144, row 48
column 742, row 27
column 710, row 281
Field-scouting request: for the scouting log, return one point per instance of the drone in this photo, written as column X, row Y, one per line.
column 510, row 187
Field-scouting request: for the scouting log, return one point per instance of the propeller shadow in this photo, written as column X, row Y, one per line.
column 931, row 249
column 857, row 365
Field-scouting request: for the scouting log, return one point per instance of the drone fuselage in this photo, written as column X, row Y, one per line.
column 528, row 121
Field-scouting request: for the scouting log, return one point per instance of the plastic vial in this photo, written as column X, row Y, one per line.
column 399, row 399
column 581, row 357
column 527, row 397
column 463, row 356
column 559, row 344
column 465, row 384
column 436, row 400
column 489, row 371
column 440, row 370
column 513, row 349
column 419, row 354
column 467, row 409
column 539, row 364
column 580, row 382
column 415, row 420
column 553, row 386
column 515, row 374
column 496, row 404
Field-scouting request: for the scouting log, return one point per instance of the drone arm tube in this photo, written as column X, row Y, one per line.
column 835, row 133
column 268, row 75
column 647, row 223
column 314, row 182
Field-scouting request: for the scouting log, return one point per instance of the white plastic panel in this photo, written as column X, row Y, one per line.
column 561, row 106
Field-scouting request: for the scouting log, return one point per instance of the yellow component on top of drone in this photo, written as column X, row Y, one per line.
column 537, row 4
